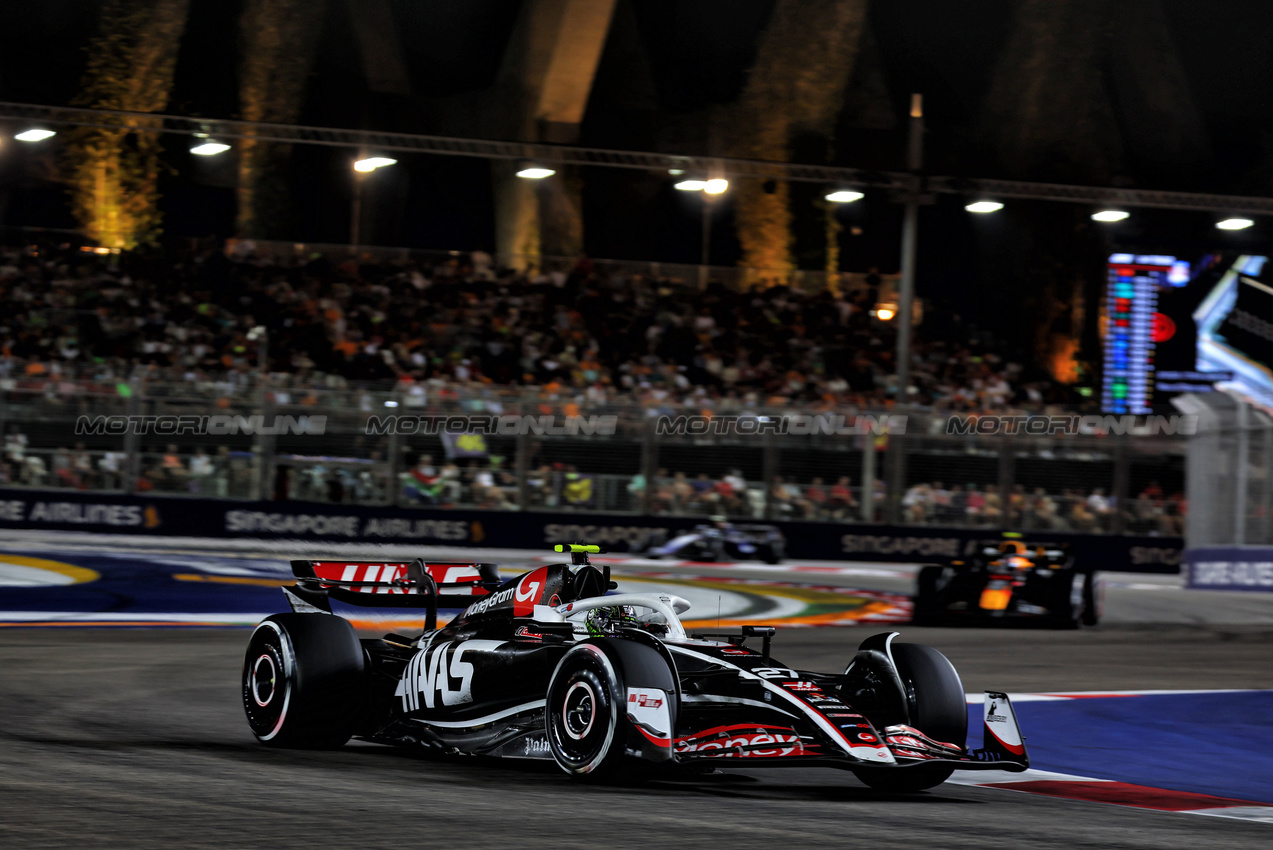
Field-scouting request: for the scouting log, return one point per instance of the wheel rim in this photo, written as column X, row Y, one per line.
column 264, row 677
column 583, row 711
column 267, row 693
column 579, row 710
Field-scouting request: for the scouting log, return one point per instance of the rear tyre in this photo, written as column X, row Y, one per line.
column 303, row 678
column 924, row 611
column 1071, row 603
column 584, row 717
column 1091, row 602
column 937, row 707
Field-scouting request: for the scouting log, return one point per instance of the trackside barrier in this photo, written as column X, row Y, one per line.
column 219, row 518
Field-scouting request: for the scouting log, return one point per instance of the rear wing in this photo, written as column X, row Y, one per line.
column 392, row 584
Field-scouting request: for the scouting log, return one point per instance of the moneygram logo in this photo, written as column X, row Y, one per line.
column 217, row 425
column 798, row 424
column 509, row 425
column 1040, row 426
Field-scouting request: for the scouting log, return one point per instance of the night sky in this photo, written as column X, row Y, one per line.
column 666, row 63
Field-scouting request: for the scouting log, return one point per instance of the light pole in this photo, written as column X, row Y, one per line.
column 910, row 240
column 710, row 189
column 906, row 302
column 355, row 213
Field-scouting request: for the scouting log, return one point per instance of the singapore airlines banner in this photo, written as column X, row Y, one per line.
column 158, row 516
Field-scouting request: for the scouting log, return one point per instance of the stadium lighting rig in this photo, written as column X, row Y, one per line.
column 984, row 207
column 545, row 157
column 1234, row 224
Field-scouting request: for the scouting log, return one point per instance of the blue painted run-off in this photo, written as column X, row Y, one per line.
column 141, row 584
column 1218, row 743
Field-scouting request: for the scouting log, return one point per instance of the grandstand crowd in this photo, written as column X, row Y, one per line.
column 462, row 321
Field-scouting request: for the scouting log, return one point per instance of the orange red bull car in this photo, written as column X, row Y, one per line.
column 1010, row 580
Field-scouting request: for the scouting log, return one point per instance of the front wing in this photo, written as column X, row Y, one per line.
column 773, row 744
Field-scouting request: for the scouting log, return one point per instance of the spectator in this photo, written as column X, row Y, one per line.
column 840, row 501
column 916, row 503
column 815, row 499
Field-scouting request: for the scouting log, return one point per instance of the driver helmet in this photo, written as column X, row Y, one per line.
column 604, row 621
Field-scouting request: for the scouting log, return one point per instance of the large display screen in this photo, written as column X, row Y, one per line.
column 1174, row 325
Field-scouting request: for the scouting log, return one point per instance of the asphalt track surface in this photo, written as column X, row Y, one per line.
column 115, row 737
column 136, row 738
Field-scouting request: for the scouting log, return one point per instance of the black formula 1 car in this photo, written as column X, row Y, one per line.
column 1010, row 581
column 724, row 541
column 548, row 665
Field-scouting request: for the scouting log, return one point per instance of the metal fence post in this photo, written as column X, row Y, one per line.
column 132, row 440
column 649, row 466
column 264, row 449
column 1240, row 479
column 1121, row 485
column 895, row 477
column 522, row 464
column 868, row 477
column 394, row 459
column 1007, row 472
column 1266, row 500
column 769, row 464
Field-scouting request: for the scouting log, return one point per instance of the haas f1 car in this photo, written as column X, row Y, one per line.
column 1008, row 581
column 549, row 665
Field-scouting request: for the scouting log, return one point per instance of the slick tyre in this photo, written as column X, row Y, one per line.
column 303, row 678
column 1091, row 600
column 1071, row 604
column 924, row 612
column 935, row 700
column 585, row 717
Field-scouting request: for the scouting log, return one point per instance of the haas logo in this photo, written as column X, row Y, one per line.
column 528, row 592
column 440, row 676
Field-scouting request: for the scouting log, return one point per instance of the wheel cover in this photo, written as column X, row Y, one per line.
column 579, row 710
column 264, row 675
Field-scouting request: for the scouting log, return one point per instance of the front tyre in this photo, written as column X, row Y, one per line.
column 584, row 716
column 936, row 703
column 303, row 677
